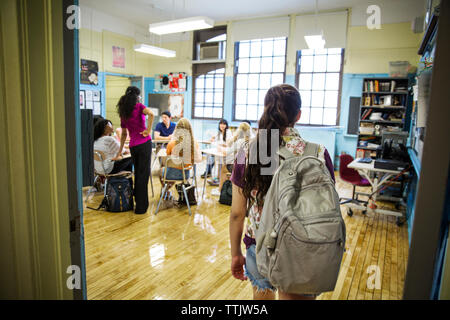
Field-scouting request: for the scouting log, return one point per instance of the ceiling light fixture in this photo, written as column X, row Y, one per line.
column 316, row 40
column 181, row 25
column 157, row 51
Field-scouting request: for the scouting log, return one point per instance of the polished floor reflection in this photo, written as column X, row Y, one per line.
column 174, row 256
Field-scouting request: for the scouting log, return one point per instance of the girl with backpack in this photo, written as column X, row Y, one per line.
column 132, row 120
column 282, row 110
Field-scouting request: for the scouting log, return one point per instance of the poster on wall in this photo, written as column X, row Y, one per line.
column 172, row 82
column 118, row 57
column 174, row 103
column 82, row 99
column 89, row 72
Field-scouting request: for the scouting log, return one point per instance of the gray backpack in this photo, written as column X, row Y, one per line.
column 301, row 236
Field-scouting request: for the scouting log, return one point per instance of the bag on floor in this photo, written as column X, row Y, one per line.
column 301, row 237
column 190, row 190
column 118, row 195
column 226, row 193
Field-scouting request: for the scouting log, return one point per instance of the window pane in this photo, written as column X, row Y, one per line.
column 199, row 97
column 316, row 115
column 320, row 63
column 252, row 112
column 243, row 65
column 267, row 48
column 255, row 65
column 260, row 111
column 334, row 63
column 279, row 47
column 200, row 82
column 264, row 81
column 266, row 64
column 331, row 99
column 317, row 98
column 252, row 97
column 307, row 52
column 278, row 64
column 240, row 112
column 218, row 97
column 304, row 118
column 208, row 112
column 306, row 63
column 306, row 98
column 332, row 81
column 217, row 113
column 262, row 96
column 305, row 81
column 253, row 81
column 241, row 96
column 209, row 83
column 209, row 98
column 255, row 48
column 318, row 81
column 218, row 82
column 242, row 81
column 321, row 51
column 199, row 112
column 277, row 78
column 244, row 49
column 220, row 71
column 329, row 116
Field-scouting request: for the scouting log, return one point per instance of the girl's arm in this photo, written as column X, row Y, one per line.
column 237, row 217
column 151, row 116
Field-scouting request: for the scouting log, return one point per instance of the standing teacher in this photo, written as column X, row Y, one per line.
column 132, row 119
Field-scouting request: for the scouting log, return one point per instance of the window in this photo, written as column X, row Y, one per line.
column 319, row 78
column 208, row 76
column 208, row 94
column 259, row 65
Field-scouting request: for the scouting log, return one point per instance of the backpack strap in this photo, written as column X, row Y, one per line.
column 311, row 150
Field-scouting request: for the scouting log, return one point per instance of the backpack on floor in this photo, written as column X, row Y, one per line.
column 226, row 193
column 118, row 195
column 190, row 191
column 301, row 237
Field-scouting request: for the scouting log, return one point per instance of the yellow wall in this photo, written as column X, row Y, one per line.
column 115, row 88
column 369, row 51
column 97, row 46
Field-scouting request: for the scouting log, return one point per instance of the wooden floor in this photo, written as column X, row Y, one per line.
column 174, row 256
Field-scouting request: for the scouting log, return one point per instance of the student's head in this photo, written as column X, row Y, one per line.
column 184, row 141
column 282, row 106
column 243, row 132
column 166, row 117
column 223, row 127
column 127, row 102
column 103, row 127
column 97, row 118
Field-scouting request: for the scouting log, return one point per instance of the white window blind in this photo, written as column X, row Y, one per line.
column 260, row 28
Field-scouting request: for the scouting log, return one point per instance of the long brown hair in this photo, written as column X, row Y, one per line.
column 184, row 127
column 281, row 106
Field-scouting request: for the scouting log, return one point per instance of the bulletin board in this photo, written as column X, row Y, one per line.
column 91, row 99
column 174, row 103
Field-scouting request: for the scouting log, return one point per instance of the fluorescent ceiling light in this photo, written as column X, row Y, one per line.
column 157, row 51
column 181, row 25
column 315, row 42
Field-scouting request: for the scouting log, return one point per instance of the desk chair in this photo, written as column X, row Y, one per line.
column 100, row 156
column 172, row 161
column 353, row 177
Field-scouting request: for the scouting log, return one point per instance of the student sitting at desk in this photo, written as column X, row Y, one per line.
column 165, row 129
column 109, row 147
column 220, row 140
column 184, row 146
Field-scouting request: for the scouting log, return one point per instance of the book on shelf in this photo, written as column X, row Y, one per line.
column 366, row 114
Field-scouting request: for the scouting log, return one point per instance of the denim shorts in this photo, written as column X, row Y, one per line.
column 175, row 174
column 251, row 271
column 257, row 280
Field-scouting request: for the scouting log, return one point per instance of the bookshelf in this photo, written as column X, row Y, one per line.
column 384, row 105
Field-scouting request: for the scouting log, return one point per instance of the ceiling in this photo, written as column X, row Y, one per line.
column 143, row 12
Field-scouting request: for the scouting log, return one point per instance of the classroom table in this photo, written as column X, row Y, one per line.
column 216, row 153
column 366, row 170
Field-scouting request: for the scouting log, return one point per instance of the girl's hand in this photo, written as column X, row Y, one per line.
column 237, row 267
column 145, row 133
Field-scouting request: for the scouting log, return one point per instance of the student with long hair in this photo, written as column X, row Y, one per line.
column 282, row 110
column 221, row 140
column 132, row 120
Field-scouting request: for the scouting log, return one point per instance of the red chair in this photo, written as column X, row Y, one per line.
column 351, row 176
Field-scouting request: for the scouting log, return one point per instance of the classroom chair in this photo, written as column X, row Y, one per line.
column 353, row 177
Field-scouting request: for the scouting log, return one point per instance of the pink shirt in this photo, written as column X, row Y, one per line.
column 135, row 125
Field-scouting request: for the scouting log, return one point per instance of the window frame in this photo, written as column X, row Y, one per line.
column 341, row 74
column 236, row 73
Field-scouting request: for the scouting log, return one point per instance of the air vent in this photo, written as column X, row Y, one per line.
column 210, row 51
